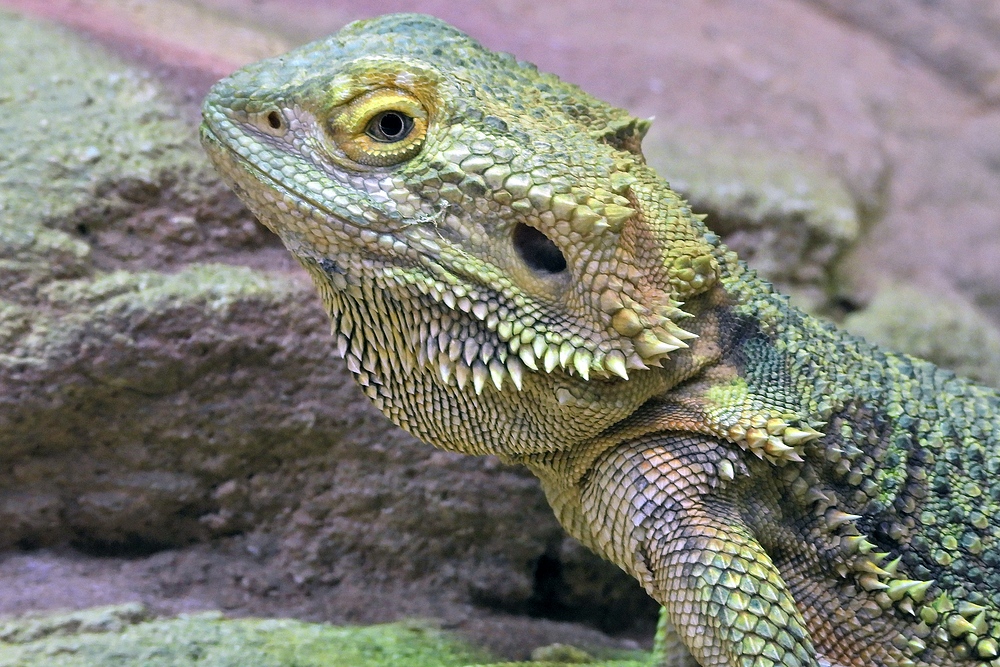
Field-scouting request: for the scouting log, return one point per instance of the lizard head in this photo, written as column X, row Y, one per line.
column 472, row 224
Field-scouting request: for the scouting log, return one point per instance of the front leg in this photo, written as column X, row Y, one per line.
column 724, row 596
column 658, row 506
column 669, row 650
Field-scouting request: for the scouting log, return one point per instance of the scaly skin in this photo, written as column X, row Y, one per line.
column 505, row 275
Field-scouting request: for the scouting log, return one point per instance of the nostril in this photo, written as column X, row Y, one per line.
column 537, row 250
column 275, row 120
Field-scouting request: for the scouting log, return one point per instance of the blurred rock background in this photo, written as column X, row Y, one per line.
column 174, row 428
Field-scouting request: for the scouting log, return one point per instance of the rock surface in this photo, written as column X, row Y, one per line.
column 790, row 218
column 169, row 402
column 126, row 635
column 941, row 327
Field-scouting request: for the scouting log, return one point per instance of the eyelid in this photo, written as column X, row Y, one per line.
column 357, row 113
column 349, row 127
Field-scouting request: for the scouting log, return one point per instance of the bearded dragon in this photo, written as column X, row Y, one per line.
column 506, row 275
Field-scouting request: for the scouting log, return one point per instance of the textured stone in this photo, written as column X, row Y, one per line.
column 125, row 635
column 94, row 149
column 957, row 38
column 786, row 216
column 941, row 327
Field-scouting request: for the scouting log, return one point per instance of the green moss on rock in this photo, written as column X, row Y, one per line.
column 940, row 327
column 75, row 120
column 116, row 636
column 98, row 167
column 216, row 286
column 788, row 217
column 120, row 635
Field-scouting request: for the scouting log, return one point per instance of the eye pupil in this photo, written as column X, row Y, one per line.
column 390, row 126
column 537, row 250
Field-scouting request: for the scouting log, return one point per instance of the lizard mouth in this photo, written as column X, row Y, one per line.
column 240, row 171
column 232, row 164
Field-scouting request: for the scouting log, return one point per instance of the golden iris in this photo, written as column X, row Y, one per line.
column 380, row 128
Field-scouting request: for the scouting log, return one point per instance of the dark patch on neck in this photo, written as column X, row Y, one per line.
column 330, row 268
column 745, row 345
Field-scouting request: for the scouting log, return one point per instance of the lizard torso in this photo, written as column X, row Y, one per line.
column 505, row 275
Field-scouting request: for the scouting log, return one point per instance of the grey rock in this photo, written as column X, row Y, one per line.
column 32, row 628
column 938, row 326
column 787, row 217
column 960, row 39
column 123, row 635
column 94, row 149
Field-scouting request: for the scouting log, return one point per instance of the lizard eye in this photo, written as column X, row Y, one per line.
column 380, row 128
column 389, row 126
